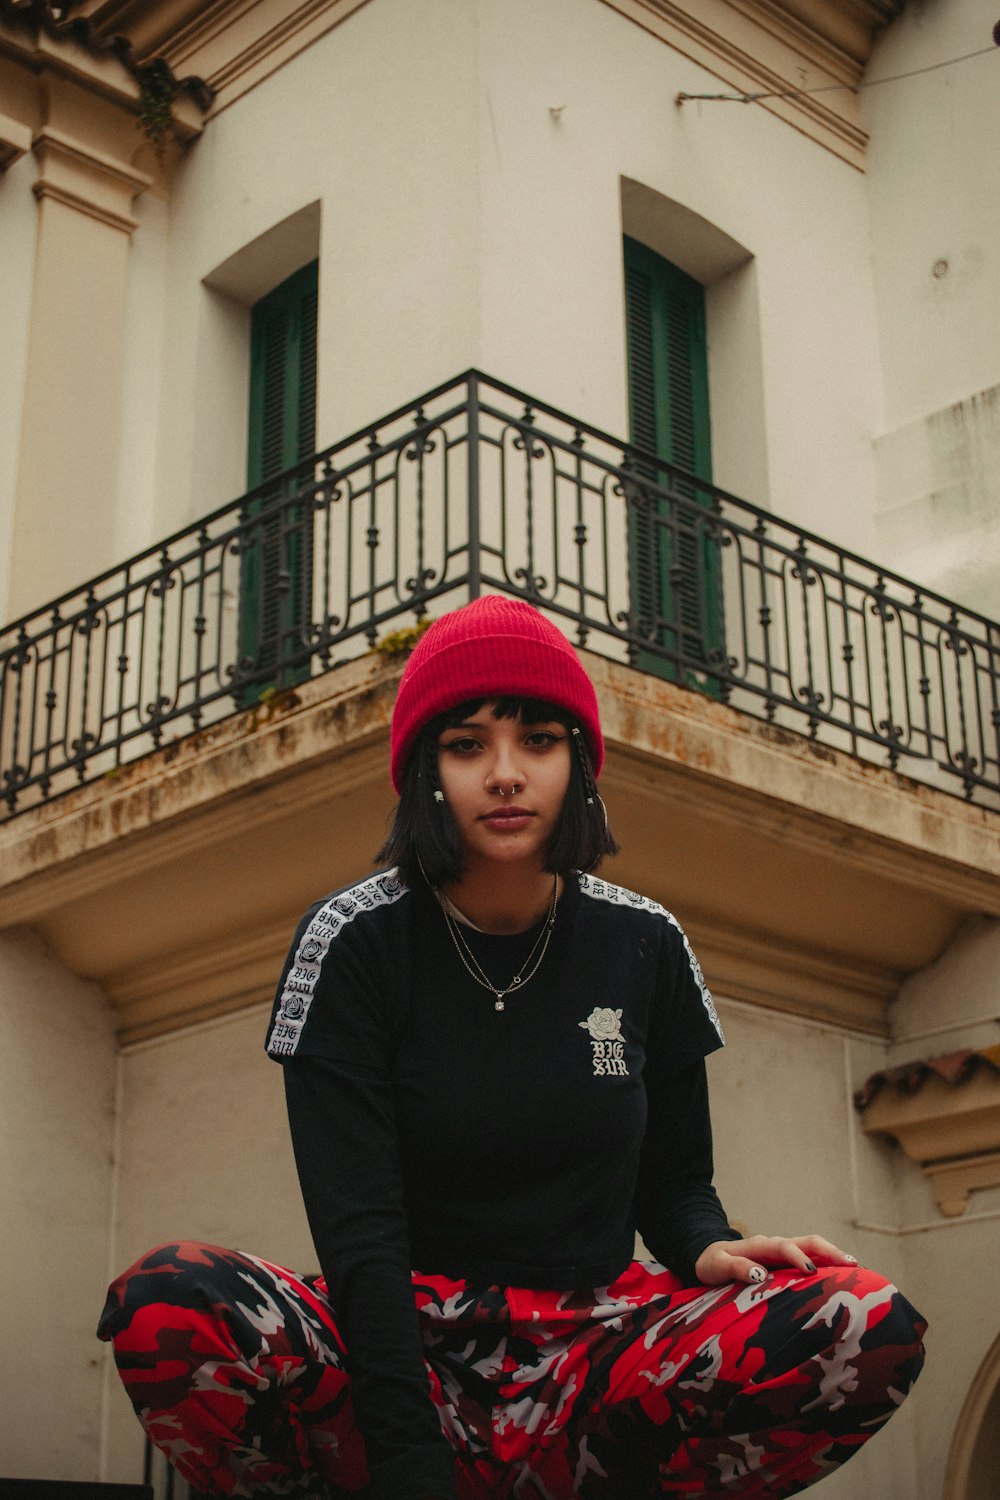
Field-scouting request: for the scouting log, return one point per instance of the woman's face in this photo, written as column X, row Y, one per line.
column 531, row 762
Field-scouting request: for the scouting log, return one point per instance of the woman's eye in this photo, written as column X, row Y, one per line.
column 543, row 738
column 464, row 745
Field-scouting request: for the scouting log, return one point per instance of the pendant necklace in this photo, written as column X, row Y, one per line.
column 521, row 978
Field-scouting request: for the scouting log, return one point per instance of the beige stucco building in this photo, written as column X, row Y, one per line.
column 354, row 202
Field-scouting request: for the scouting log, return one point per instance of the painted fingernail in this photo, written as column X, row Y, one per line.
column 756, row 1274
column 810, row 1266
column 852, row 1259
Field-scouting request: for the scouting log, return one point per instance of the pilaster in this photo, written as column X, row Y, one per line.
column 86, row 187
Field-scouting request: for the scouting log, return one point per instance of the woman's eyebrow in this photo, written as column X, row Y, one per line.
column 481, row 724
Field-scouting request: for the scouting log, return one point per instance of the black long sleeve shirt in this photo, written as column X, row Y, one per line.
column 521, row 1147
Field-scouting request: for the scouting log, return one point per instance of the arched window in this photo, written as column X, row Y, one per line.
column 974, row 1460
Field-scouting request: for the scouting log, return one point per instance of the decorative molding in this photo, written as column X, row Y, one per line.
column 763, row 46
column 199, row 984
column 952, row 1130
column 776, row 974
column 88, row 180
column 953, row 1181
column 124, row 222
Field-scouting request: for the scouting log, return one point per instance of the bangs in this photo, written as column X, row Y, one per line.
column 528, row 710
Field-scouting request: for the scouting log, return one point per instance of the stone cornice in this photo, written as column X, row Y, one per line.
column 80, row 108
column 78, row 33
column 230, row 44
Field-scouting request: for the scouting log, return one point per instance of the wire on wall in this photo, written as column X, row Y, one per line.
column 829, row 88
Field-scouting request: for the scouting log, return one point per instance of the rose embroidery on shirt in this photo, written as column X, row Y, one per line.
column 606, row 1041
column 604, row 1024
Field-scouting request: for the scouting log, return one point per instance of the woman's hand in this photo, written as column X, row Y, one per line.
column 748, row 1260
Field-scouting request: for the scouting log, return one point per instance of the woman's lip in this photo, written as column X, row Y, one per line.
column 509, row 818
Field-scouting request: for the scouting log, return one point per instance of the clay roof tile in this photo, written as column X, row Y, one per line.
column 953, row 1068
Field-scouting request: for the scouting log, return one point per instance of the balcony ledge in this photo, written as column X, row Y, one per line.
column 809, row 881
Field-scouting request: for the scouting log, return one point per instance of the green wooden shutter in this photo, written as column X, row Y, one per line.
column 673, row 562
column 276, row 583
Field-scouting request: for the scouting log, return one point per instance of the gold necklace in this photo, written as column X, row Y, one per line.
column 521, row 978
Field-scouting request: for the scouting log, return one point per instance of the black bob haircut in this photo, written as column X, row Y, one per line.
column 423, row 838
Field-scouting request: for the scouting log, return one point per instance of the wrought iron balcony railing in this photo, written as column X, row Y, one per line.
column 477, row 486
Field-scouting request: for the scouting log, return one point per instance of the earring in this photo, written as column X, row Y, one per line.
column 439, row 796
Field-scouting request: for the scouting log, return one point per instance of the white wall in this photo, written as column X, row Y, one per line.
column 932, row 179
column 462, row 224
column 954, row 1002
column 57, row 1079
column 552, row 287
column 934, row 192
column 790, row 1159
column 375, row 122
column 205, row 1155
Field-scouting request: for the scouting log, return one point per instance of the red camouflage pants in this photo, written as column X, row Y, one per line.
column 644, row 1388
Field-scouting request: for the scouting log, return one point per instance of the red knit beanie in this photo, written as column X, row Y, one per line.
column 494, row 647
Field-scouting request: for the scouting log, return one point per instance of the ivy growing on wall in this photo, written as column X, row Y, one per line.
column 156, row 93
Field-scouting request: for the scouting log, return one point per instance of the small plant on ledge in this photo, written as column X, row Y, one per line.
column 156, row 92
column 400, row 642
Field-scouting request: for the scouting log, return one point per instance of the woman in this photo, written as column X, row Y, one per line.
column 495, row 1073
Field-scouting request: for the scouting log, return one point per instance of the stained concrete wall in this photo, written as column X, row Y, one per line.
column 57, row 1086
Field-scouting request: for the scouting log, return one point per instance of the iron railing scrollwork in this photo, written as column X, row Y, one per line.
column 477, row 486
